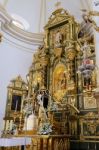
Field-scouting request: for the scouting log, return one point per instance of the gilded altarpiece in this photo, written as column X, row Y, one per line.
column 14, row 119
column 54, row 71
column 57, row 62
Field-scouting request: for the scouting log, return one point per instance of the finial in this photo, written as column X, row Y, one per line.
column 57, row 4
column 5, row 3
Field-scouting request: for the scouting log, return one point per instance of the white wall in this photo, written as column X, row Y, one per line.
column 73, row 7
column 13, row 61
column 28, row 9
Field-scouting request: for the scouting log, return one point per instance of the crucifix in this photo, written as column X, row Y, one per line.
column 57, row 5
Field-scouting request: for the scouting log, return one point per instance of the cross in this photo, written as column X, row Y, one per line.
column 57, row 5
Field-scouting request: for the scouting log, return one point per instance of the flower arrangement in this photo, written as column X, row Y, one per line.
column 45, row 128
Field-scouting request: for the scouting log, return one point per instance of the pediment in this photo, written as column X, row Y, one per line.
column 57, row 17
column 90, row 115
column 17, row 83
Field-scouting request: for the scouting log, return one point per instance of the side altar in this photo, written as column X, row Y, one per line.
column 57, row 100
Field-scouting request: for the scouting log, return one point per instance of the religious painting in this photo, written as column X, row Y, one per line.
column 59, row 35
column 59, row 82
column 90, row 128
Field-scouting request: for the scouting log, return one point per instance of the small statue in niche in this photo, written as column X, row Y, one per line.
column 58, row 39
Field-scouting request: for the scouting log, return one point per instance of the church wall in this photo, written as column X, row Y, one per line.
column 13, row 61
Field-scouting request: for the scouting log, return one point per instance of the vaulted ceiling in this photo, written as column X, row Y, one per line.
column 30, row 16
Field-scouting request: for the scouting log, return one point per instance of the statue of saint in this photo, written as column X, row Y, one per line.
column 58, row 39
column 43, row 102
column 39, row 98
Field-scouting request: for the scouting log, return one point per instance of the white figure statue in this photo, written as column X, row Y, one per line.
column 39, row 98
column 42, row 112
column 31, row 122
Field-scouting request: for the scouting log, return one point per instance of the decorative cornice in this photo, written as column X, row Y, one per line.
column 57, row 17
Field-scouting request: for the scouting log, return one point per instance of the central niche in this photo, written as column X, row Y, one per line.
column 16, row 102
column 59, row 82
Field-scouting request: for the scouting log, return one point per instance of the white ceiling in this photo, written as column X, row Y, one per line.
column 35, row 12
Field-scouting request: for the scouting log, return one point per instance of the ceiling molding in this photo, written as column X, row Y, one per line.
column 9, row 28
column 19, row 34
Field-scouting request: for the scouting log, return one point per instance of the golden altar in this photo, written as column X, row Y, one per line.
column 56, row 99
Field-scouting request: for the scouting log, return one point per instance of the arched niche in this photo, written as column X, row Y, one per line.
column 59, row 81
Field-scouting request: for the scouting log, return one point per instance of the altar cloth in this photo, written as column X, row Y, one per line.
column 15, row 141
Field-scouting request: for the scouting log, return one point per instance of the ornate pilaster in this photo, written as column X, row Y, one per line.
column 96, row 95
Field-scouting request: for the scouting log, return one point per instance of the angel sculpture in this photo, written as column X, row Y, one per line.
column 88, row 18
